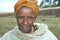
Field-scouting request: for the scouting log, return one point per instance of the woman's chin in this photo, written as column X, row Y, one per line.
column 25, row 31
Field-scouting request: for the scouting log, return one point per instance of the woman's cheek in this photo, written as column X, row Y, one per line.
column 20, row 21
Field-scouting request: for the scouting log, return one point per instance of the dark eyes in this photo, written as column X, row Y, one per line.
column 30, row 17
column 20, row 17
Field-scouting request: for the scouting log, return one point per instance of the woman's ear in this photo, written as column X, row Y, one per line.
column 16, row 16
column 34, row 19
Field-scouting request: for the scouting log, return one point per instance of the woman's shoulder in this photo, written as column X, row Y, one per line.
column 6, row 35
column 51, row 35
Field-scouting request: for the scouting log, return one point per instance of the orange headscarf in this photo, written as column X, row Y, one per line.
column 27, row 3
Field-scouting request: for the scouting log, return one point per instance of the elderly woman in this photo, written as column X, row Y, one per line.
column 26, row 12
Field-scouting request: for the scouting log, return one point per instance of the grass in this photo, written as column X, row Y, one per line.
column 7, row 23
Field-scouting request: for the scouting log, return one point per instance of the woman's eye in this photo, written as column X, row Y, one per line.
column 20, row 17
column 30, row 18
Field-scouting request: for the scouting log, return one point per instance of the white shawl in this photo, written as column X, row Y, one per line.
column 42, row 33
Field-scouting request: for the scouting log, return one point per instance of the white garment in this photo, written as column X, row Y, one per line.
column 42, row 33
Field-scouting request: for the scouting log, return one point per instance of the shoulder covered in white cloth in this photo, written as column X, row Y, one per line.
column 43, row 33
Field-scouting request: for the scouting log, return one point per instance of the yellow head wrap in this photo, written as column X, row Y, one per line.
column 27, row 3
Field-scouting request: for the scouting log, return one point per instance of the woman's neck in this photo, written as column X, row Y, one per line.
column 32, row 30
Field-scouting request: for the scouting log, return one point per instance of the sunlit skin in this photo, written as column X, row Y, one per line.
column 25, row 19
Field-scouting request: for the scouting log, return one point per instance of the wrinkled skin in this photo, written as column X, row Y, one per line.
column 25, row 19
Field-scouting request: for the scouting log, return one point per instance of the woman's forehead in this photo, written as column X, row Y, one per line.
column 25, row 10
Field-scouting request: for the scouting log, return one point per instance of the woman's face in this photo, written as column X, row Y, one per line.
column 25, row 19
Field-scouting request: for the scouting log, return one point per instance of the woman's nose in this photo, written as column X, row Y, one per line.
column 25, row 22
